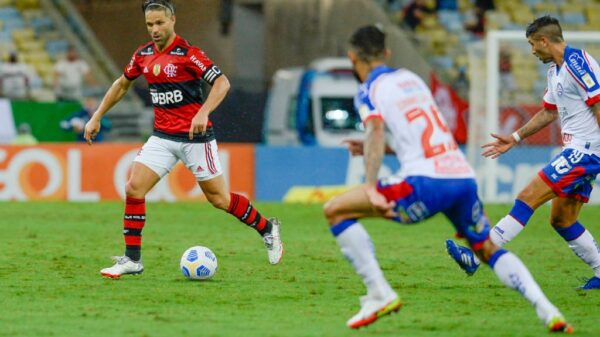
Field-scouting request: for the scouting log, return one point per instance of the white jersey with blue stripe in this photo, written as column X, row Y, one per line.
column 423, row 143
column 573, row 88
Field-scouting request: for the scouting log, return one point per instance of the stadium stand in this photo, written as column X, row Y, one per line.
column 442, row 36
column 40, row 32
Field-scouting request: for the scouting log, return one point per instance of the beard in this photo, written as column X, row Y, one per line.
column 355, row 74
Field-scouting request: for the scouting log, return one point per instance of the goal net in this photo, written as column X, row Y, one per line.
column 507, row 84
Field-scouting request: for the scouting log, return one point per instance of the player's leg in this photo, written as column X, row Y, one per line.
column 153, row 162
column 470, row 221
column 342, row 213
column 535, row 194
column 513, row 273
column 202, row 159
column 563, row 218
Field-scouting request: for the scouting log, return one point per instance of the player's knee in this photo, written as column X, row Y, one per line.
column 331, row 212
column 218, row 200
column 559, row 221
column 134, row 190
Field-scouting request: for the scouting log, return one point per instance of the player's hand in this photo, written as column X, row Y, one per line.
column 355, row 146
column 92, row 127
column 380, row 203
column 502, row 144
column 199, row 124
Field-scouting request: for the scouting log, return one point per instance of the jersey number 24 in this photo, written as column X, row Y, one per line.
column 432, row 126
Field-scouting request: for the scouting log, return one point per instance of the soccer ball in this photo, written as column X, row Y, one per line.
column 198, row 263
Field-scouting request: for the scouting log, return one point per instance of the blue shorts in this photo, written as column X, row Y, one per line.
column 571, row 174
column 418, row 198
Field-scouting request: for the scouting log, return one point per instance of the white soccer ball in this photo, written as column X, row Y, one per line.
column 198, row 263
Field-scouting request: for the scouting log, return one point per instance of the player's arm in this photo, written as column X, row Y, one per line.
column 596, row 109
column 356, row 147
column 374, row 149
column 503, row 143
column 217, row 93
column 114, row 94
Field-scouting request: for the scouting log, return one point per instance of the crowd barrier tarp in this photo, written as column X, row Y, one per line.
column 78, row 172
column 314, row 174
column 43, row 118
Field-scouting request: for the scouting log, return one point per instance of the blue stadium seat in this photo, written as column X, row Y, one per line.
column 575, row 18
column 8, row 13
column 54, row 47
column 450, row 20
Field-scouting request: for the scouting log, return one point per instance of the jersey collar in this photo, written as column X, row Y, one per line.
column 378, row 71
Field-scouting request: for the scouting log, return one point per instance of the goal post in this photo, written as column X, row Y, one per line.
column 492, row 98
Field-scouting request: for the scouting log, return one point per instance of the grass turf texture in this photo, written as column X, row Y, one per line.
column 52, row 254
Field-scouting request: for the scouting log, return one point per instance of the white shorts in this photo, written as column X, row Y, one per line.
column 161, row 155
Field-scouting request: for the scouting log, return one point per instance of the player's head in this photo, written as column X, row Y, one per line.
column 160, row 20
column 541, row 34
column 367, row 47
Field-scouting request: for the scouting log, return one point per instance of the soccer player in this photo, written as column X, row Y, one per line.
column 182, row 131
column 573, row 96
column 434, row 178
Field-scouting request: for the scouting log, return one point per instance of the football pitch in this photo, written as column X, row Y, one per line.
column 51, row 254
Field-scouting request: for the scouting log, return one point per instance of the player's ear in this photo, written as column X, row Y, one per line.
column 352, row 55
column 387, row 53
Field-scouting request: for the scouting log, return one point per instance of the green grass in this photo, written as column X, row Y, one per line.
column 51, row 254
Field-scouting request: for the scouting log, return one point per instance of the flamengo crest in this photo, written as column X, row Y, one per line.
column 171, row 70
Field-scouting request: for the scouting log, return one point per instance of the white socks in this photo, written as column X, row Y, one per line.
column 513, row 273
column 586, row 248
column 506, row 230
column 356, row 245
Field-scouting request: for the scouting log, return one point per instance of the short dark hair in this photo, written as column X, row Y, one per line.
column 546, row 26
column 165, row 5
column 368, row 42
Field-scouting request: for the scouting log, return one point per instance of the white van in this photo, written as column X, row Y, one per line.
column 314, row 105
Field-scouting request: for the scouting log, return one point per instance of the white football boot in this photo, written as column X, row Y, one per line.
column 273, row 242
column 373, row 308
column 123, row 266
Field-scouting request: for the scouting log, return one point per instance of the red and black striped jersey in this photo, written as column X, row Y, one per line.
column 173, row 77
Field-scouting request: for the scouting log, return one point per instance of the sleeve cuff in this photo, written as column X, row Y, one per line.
column 550, row 106
column 129, row 77
column 369, row 117
column 592, row 100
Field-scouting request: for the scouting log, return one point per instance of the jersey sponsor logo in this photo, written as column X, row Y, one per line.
column 198, row 63
column 147, row 51
column 130, row 66
column 178, row 51
column 577, row 62
column 588, row 80
column 171, row 70
column 168, row 97
column 156, row 70
column 559, row 89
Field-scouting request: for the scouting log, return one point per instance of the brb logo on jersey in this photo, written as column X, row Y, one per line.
column 170, row 70
column 169, row 97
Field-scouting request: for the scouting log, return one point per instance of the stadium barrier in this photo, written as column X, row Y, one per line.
column 43, row 118
column 77, row 172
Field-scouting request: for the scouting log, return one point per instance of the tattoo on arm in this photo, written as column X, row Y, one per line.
column 374, row 147
column 540, row 120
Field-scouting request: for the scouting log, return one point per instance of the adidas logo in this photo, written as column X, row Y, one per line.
column 199, row 169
